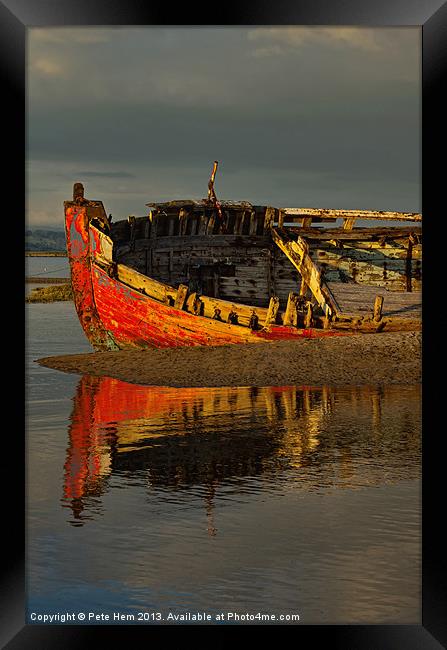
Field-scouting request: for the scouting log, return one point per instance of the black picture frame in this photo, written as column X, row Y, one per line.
column 16, row 16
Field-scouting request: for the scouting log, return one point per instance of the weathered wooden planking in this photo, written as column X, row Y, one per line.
column 352, row 266
column 259, row 284
column 204, row 256
column 375, row 255
column 383, row 260
column 243, row 222
column 162, row 292
column 148, row 286
column 101, row 245
column 391, row 280
column 199, row 204
column 392, row 266
column 205, row 242
column 136, row 321
column 361, row 298
column 390, row 248
column 357, row 234
column 243, row 311
column 349, row 214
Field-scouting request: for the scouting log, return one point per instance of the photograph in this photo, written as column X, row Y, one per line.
column 223, row 319
column 224, row 341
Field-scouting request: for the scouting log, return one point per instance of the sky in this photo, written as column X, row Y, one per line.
column 324, row 117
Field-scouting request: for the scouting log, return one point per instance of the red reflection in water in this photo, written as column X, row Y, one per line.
column 110, row 414
column 181, row 437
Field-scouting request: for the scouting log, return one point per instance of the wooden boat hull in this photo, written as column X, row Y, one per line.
column 223, row 274
column 136, row 321
column 116, row 316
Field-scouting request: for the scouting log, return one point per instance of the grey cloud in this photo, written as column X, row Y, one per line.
column 145, row 112
column 372, row 141
column 212, row 67
column 105, row 174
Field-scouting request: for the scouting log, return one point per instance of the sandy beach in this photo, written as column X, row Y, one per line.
column 386, row 358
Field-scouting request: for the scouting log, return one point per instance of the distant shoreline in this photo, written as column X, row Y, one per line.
column 44, row 280
column 45, row 254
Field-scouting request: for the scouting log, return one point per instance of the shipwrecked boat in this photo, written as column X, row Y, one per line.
column 208, row 272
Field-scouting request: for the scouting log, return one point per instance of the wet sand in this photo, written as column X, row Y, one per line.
column 386, row 358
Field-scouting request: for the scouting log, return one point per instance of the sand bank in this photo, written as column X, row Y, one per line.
column 386, row 358
column 52, row 293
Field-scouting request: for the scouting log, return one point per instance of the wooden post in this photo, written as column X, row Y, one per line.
column 154, row 226
column 194, row 304
column 197, row 305
column 171, row 226
column 272, row 310
column 282, row 214
column 181, row 296
column 309, row 315
column 378, row 304
column 183, row 218
column 239, row 223
column 210, row 226
column 303, row 288
column 147, row 227
column 306, row 222
column 348, row 223
column 270, row 273
column 290, row 316
column 202, row 224
column 253, row 223
column 269, row 219
column 227, row 220
column 171, row 263
column 78, row 191
column 131, row 222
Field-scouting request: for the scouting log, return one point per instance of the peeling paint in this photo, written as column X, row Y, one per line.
column 149, row 313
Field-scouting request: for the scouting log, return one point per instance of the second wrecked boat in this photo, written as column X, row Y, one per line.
column 204, row 272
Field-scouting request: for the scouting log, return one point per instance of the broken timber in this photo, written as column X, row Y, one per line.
column 332, row 215
column 298, row 253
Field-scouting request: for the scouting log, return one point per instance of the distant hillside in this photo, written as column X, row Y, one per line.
column 45, row 240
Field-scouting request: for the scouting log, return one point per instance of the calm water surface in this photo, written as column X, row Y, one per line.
column 276, row 500
column 47, row 267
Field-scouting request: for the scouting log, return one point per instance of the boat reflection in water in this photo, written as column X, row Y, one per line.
column 287, row 437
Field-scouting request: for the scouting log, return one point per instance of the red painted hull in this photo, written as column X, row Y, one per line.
column 115, row 316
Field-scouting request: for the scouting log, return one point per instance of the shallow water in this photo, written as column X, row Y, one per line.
column 285, row 500
column 47, row 267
